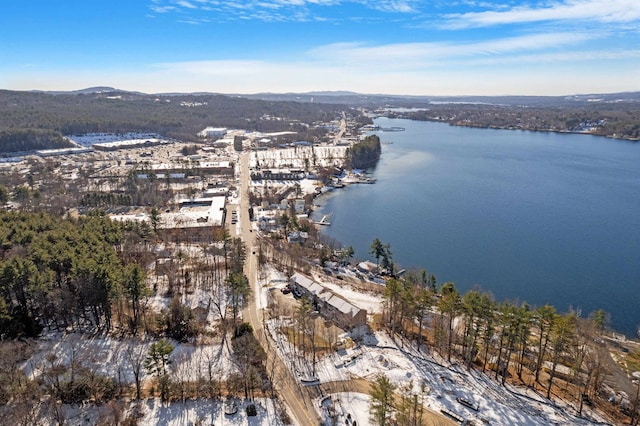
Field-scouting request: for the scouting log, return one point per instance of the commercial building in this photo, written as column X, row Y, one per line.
column 213, row 132
column 128, row 144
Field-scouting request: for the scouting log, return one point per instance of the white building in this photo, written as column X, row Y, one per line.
column 213, row 132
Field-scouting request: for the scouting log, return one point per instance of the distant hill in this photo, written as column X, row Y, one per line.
column 87, row 91
column 347, row 98
column 179, row 116
column 381, row 100
column 361, row 99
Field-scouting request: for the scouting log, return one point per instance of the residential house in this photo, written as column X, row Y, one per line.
column 331, row 305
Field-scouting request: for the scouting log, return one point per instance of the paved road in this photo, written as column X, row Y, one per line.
column 343, row 128
column 294, row 395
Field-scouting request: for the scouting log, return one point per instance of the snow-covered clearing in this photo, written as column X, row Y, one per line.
column 113, row 358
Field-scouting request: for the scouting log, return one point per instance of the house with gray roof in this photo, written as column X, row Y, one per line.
column 331, row 305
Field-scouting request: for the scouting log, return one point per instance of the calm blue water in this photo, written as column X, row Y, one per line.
column 535, row 217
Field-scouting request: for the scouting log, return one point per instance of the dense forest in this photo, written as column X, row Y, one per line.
column 364, row 154
column 31, row 139
column 44, row 118
column 56, row 273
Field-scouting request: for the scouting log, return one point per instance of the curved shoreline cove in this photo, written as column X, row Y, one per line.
column 527, row 216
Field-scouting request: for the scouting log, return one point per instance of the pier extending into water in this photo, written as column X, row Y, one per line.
column 374, row 128
column 325, row 220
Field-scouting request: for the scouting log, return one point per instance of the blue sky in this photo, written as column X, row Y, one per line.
column 438, row 47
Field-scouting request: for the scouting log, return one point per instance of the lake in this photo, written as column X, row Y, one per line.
column 528, row 216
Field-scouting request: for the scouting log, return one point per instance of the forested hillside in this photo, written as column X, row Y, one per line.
column 58, row 272
column 42, row 117
column 365, row 154
column 31, row 139
column 619, row 120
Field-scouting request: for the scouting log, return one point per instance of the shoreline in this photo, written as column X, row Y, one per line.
column 522, row 129
column 614, row 334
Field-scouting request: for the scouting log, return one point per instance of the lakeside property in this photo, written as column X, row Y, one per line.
column 524, row 215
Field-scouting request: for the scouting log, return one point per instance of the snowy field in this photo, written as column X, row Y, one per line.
column 441, row 385
column 207, row 412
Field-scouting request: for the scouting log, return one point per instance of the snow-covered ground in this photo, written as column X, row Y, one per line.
column 112, row 357
column 442, row 385
column 91, row 138
column 369, row 301
column 107, row 356
column 203, row 411
column 299, row 157
column 208, row 412
column 346, row 406
column 271, row 279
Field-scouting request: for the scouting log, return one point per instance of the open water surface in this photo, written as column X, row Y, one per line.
column 528, row 216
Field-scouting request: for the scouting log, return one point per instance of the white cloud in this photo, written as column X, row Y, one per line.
column 517, row 65
column 605, row 11
column 277, row 10
column 186, row 4
column 399, row 6
column 162, row 9
column 539, row 58
column 535, row 73
column 410, row 56
column 213, row 67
